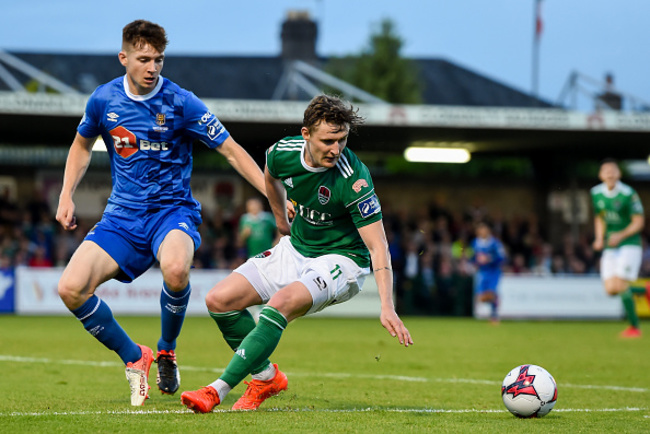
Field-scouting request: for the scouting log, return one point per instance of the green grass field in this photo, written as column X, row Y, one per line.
column 345, row 375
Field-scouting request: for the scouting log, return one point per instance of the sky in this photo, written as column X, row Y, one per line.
column 491, row 37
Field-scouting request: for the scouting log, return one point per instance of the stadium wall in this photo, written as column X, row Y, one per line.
column 36, row 294
column 522, row 297
column 557, row 297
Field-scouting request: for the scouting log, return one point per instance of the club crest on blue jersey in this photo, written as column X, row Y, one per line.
column 324, row 195
column 160, row 119
column 369, row 206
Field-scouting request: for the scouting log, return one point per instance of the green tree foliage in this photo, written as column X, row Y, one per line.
column 34, row 86
column 380, row 69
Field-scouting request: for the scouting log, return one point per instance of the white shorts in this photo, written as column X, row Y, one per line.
column 623, row 262
column 330, row 279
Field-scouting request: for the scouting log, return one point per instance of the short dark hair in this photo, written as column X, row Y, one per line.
column 485, row 223
column 141, row 32
column 332, row 110
column 608, row 160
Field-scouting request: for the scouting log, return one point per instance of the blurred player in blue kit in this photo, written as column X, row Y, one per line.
column 149, row 125
column 488, row 256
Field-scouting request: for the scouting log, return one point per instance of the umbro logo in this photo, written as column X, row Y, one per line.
column 175, row 309
column 96, row 330
column 112, row 117
column 241, row 353
column 184, row 226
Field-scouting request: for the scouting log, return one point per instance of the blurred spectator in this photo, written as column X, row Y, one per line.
column 9, row 211
column 39, row 258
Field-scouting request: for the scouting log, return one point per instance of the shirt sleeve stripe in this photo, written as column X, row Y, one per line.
column 370, row 193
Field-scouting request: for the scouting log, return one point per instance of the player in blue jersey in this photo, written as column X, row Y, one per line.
column 149, row 124
column 488, row 255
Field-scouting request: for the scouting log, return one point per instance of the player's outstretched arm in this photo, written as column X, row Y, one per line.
column 75, row 168
column 374, row 237
column 278, row 200
column 243, row 163
column 599, row 233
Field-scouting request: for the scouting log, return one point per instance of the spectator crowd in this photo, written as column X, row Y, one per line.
column 429, row 247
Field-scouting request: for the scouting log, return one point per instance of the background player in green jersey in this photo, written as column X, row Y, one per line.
column 336, row 233
column 257, row 229
column 618, row 222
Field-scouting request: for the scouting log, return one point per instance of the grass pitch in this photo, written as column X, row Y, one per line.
column 345, row 375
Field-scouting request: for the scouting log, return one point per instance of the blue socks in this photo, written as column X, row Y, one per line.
column 98, row 320
column 173, row 306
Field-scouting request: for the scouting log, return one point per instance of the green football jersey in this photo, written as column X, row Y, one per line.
column 262, row 232
column 330, row 203
column 616, row 208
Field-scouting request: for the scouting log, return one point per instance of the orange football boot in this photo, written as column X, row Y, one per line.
column 631, row 333
column 202, row 400
column 258, row 391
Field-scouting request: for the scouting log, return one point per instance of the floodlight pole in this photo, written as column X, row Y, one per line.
column 537, row 23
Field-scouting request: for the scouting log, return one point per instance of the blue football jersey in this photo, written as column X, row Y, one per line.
column 149, row 140
column 493, row 249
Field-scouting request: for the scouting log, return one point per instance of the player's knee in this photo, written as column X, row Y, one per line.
column 612, row 290
column 615, row 286
column 176, row 275
column 290, row 304
column 71, row 293
column 212, row 302
column 219, row 301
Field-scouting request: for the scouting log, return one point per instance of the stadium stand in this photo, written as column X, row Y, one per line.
column 428, row 244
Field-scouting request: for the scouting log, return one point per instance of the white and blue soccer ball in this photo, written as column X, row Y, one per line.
column 529, row 391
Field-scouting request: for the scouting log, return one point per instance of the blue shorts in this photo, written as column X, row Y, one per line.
column 132, row 237
column 486, row 281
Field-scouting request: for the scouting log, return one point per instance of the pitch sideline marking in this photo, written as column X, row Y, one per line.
column 310, row 410
column 9, row 358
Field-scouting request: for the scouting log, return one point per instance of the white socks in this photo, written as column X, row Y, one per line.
column 222, row 388
column 266, row 375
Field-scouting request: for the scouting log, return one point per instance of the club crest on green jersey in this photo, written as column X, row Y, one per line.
column 324, row 195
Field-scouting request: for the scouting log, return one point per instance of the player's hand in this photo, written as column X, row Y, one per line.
column 284, row 228
column 615, row 239
column 598, row 245
column 395, row 327
column 65, row 214
column 291, row 211
column 245, row 232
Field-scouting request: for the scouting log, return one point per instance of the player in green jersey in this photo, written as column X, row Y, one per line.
column 256, row 228
column 335, row 235
column 618, row 223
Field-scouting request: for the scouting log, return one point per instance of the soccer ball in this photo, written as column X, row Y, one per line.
column 529, row 391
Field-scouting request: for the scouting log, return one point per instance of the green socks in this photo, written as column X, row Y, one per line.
column 630, row 309
column 257, row 346
column 640, row 290
column 235, row 326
